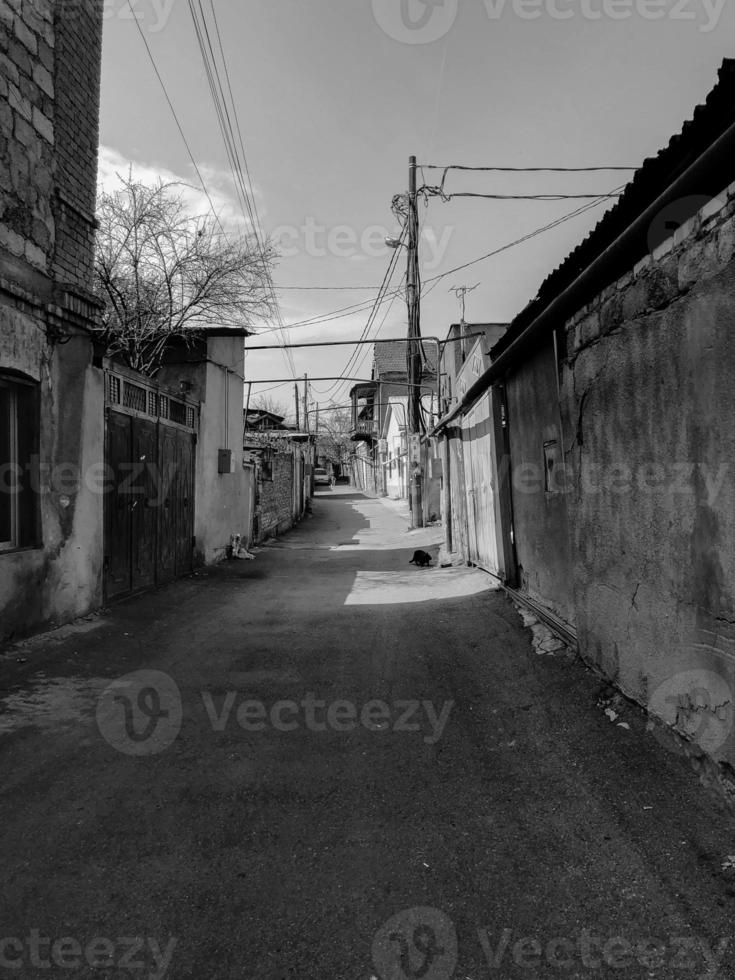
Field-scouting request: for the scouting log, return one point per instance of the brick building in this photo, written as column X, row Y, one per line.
column 51, row 395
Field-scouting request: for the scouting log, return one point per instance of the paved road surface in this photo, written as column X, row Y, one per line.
column 357, row 739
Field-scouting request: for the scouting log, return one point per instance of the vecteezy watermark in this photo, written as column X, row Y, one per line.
column 594, row 952
column 151, row 15
column 146, row 482
column 675, row 214
column 419, row 942
column 698, row 704
column 346, row 242
column 141, row 713
column 415, row 21
column 136, row 954
column 316, row 715
column 422, row 942
column 696, row 480
column 426, row 21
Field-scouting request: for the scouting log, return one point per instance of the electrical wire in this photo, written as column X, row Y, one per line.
column 520, row 241
column 226, row 111
column 524, row 170
column 176, row 119
column 434, row 280
column 384, row 286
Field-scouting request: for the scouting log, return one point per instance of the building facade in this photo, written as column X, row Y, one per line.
column 51, row 392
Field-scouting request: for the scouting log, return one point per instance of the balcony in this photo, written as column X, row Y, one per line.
column 364, row 424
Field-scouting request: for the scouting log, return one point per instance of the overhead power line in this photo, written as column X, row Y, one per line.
column 384, row 286
column 438, row 192
column 435, row 280
column 226, row 111
column 176, row 118
column 524, row 170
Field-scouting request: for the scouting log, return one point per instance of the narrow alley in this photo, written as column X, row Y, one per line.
column 328, row 764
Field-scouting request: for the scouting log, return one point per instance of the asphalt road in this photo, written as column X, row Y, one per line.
column 326, row 764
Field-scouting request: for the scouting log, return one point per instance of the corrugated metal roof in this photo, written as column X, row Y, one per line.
column 709, row 121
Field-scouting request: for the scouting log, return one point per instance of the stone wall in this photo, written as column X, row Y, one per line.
column 275, row 507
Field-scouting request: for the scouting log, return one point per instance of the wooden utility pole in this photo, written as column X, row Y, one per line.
column 413, row 352
column 296, row 400
column 306, row 406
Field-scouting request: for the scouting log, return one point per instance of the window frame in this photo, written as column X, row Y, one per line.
column 23, row 499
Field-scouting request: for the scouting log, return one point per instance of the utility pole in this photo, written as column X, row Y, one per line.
column 413, row 353
column 306, row 407
column 296, row 400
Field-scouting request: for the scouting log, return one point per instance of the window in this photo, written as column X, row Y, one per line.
column 18, row 453
column 266, row 465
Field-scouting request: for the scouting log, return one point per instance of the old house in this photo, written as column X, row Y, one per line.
column 616, row 393
column 51, row 392
column 380, row 426
column 281, row 460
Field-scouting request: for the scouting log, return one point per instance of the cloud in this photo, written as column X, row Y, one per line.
column 219, row 183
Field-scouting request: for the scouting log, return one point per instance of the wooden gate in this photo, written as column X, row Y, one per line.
column 150, row 445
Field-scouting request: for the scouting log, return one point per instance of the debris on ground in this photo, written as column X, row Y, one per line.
column 546, row 643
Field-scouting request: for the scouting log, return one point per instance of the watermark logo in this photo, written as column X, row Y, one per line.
column 143, row 955
column 416, row 944
column 415, row 21
column 140, row 714
column 676, row 214
column 425, row 21
column 320, row 241
column 699, row 704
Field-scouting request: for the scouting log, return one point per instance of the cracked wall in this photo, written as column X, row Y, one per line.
column 648, row 408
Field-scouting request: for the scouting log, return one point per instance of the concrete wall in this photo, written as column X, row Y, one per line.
column 223, row 501
column 60, row 578
column 649, row 408
column 49, row 97
column 539, row 516
column 364, row 472
column 395, row 474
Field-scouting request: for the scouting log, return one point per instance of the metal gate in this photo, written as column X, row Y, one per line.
column 150, row 440
column 479, row 449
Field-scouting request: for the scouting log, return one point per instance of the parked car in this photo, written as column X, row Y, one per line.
column 321, row 477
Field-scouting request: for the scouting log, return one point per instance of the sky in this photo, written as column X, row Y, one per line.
column 332, row 98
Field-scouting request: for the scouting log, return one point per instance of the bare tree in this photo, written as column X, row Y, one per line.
column 266, row 403
column 335, row 429
column 163, row 273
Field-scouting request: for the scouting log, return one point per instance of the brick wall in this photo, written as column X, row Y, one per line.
column 50, row 54
column 49, row 101
column 275, row 509
column 78, row 53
